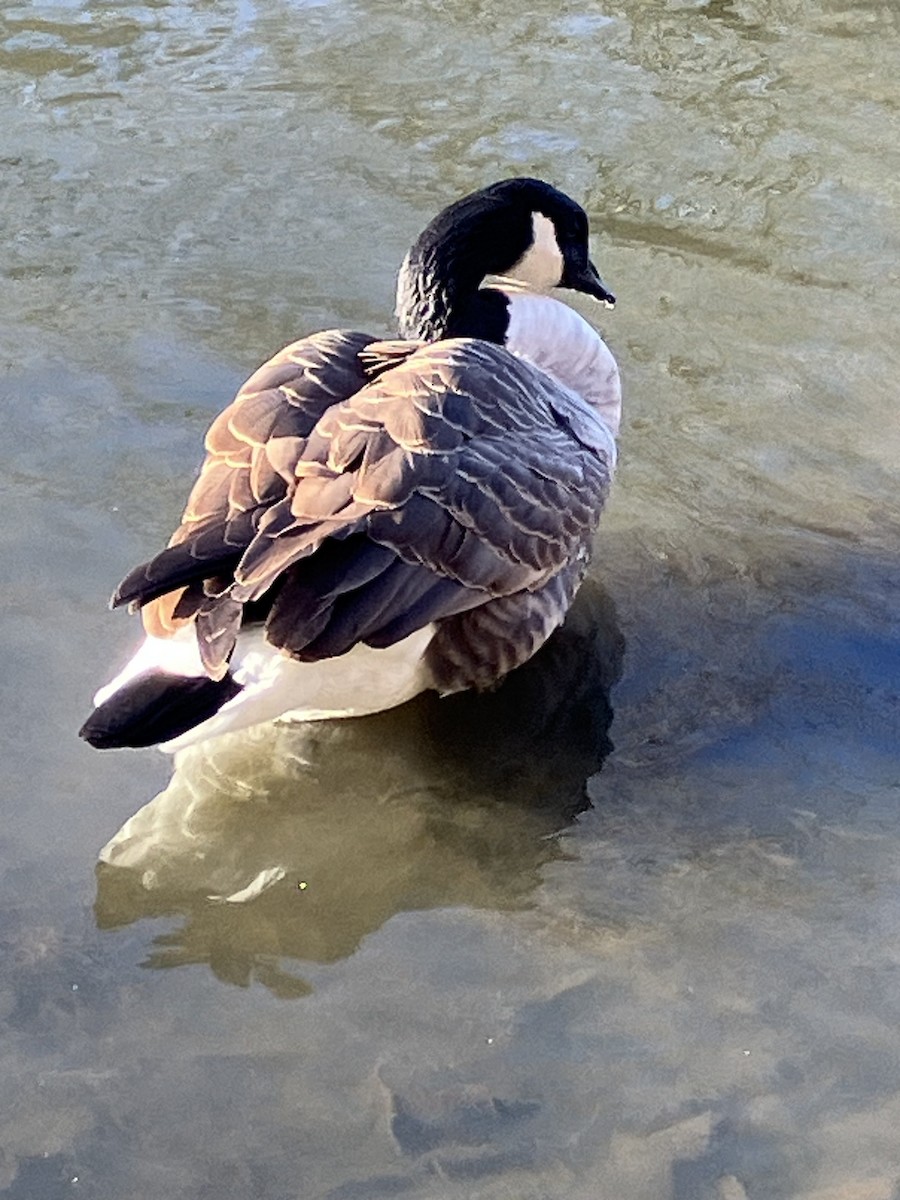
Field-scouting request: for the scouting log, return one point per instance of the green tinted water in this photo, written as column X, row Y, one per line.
column 453, row 978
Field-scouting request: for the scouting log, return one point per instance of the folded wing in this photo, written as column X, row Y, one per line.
column 342, row 510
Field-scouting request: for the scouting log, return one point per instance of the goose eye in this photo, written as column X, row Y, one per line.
column 574, row 234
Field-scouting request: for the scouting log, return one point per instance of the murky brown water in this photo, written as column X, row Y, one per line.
column 441, row 953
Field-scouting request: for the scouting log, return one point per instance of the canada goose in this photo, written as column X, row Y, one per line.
column 375, row 518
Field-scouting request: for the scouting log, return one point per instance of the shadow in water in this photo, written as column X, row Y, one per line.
column 294, row 842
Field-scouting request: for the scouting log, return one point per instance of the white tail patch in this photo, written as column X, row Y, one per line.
column 276, row 687
column 177, row 654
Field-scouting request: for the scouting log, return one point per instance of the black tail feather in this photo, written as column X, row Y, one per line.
column 155, row 707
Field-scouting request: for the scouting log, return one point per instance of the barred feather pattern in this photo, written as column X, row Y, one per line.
column 460, row 487
column 477, row 649
column 251, row 450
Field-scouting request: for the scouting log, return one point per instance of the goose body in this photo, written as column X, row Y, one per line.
column 376, row 518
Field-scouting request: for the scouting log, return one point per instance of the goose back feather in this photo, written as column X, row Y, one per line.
column 459, row 476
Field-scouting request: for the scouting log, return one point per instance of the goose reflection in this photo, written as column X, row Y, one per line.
column 294, row 842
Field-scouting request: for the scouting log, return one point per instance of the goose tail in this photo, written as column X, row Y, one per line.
column 163, row 697
column 155, row 706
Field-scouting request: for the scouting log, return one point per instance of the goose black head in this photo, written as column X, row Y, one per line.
column 521, row 228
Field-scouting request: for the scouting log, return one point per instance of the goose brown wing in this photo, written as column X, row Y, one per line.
column 461, row 476
column 252, row 447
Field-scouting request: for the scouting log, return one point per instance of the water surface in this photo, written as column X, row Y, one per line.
column 464, row 950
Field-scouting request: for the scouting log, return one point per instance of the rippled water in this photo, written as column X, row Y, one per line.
column 442, row 953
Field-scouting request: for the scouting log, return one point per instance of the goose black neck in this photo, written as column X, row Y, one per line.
column 439, row 312
column 439, row 291
column 438, row 297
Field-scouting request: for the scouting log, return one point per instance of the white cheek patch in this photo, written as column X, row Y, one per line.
column 541, row 266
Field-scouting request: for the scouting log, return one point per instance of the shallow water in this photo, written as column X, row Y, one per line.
column 468, row 949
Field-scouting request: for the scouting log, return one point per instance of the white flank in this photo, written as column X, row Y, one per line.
column 358, row 683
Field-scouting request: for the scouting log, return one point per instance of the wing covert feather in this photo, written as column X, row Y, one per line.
column 459, row 481
column 251, row 450
column 388, row 461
